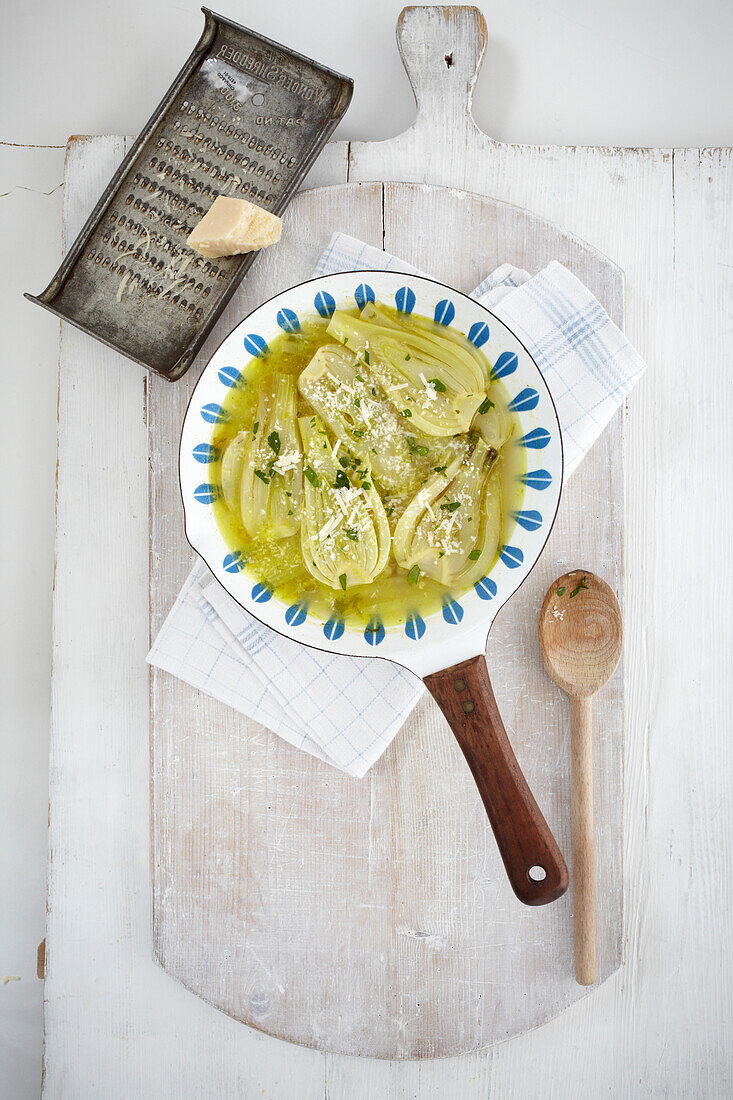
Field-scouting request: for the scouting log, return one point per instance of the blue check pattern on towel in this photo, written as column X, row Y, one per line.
column 346, row 710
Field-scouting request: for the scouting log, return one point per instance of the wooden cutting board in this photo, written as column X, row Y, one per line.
column 373, row 917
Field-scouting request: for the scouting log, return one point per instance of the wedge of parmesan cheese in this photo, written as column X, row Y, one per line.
column 233, row 226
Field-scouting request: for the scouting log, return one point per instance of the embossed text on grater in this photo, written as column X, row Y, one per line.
column 245, row 118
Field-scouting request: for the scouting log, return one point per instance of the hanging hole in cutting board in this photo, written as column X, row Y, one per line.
column 537, row 874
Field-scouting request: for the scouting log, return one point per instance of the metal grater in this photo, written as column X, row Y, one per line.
column 245, row 117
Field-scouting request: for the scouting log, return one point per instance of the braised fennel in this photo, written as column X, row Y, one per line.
column 270, row 483
column 368, row 467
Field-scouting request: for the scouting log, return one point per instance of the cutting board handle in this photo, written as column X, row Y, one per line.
column 442, row 49
column 528, row 848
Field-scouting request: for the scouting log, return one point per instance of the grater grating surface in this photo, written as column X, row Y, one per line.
column 245, row 117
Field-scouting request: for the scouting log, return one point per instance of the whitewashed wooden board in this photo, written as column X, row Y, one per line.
column 375, row 917
column 116, row 1025
column 273, row 872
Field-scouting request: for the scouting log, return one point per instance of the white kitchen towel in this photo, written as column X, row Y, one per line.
column 343, row 710
column 346, row 710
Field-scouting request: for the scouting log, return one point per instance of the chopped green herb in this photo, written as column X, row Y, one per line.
column 440, row 469
column 351, row 533
column 357, row 402
column 414, row 575
column 441, row 553
column 366, row 485
column 437, row 385
column 452, row 506
column 255, row 426
column 346, row 339
column 290, row 511
column 358, row 432
column 474, row 555
column 312, row 476
column 415, row 447
column 342, row 581
column 561, row 591
column 577, row 590
column 262, row 477
column 408, row 357
column 359, row 378
column 273, row 441
column 389, row 509
column 345, row 462
column 485, row 405
column 366, row 357
column 342, row 481
column 406, row 413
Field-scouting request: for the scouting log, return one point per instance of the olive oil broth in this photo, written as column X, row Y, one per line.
column 278, row 563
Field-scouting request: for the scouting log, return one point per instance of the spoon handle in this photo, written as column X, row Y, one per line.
column 533, row 861
column 584, row 902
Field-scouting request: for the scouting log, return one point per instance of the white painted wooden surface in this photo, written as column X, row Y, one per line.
column 115, row 1024
column 263, row 859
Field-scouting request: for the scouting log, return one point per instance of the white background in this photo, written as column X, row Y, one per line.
column 630, row 72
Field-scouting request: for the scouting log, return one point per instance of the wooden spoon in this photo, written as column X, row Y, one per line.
column 580, row 639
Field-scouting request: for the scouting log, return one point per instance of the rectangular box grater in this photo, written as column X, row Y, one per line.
column 245, row 117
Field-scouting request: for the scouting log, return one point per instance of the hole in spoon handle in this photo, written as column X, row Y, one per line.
column 528, row 848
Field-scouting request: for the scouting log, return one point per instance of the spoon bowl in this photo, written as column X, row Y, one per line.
column 580, row 633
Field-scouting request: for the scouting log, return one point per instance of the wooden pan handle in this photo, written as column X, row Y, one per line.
column 525, row 842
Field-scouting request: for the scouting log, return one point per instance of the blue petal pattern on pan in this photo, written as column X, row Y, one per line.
column 537, row 479
column 485, row 588
column 288, row 321
column 333, row 629
column 325, row 303
column 234, row 563
column 414, row 626
column 374, row 631
column 206, row 493
column 452, row 611
column 536, row 440
column 214, row 414
column 512, row 556
column 478, row 333
column 505, row 365
column 444, row 312
column 261, row 593
column 255, row 345
column 405, row 299
column 524, row 401
column 363, row 294
column 230, row 376
column 204, row 452
column 296, row 614
column 530, row 521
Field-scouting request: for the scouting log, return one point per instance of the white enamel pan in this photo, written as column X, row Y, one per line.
column 445, row 649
